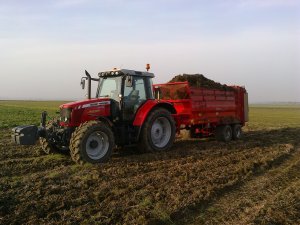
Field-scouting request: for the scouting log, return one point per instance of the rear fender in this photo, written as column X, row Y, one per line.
column 150, row 105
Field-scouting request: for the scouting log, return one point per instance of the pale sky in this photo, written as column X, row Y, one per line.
column 45, row 46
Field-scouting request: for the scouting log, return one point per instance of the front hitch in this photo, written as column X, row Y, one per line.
column 25, row 135
column 29, row 134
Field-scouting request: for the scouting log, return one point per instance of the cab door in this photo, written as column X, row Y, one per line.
column 133, row 96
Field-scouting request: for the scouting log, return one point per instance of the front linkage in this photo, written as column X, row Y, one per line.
column 29, row 134
column 52, row 137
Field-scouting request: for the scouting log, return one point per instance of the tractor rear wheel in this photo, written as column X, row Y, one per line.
column 158, row 131
column 92, row 142
column 47, row 147
column 224, row 133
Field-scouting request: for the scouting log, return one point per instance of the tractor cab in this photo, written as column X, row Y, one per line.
column 127, row 90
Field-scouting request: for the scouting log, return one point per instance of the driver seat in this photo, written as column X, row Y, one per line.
column 134, row 96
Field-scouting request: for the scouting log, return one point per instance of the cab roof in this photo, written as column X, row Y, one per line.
column 117, row 72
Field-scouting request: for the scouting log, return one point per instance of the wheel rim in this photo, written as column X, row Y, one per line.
column 227, row 133
column 161, row 132
column 238, row 132
column 97, row 145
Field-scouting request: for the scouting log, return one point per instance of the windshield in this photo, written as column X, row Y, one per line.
column 109, row 87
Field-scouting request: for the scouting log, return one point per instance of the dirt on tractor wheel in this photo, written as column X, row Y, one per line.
column 199, row 80
column 173, row 187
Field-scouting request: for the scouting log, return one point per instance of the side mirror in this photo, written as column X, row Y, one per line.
column 82, row 83
column 128, row 81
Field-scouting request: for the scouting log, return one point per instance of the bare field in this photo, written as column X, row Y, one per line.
column 252, row 181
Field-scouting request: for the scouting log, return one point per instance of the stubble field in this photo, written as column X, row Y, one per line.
column 251, row 181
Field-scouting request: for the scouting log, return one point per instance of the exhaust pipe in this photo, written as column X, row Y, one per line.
column 89, row 78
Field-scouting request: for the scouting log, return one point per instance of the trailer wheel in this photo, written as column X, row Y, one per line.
column 47, row 147
column 158, row 132
column 237, row 132
column 92, row 142
column 224, row 133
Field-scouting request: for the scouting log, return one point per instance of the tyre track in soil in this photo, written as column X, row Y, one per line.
column 204, row 153
column 116, row 173
column 38, row 164
column 153, row 166
column 139, row 163
column 25, row 166
column 245, row 204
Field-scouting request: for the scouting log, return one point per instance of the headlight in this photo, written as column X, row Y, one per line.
column 65, row 114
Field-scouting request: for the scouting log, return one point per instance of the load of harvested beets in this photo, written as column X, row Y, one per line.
column 198, row 80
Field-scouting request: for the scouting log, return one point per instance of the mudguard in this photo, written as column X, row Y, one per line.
column 144, row 110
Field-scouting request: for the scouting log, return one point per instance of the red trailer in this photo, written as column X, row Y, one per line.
column 205, row 112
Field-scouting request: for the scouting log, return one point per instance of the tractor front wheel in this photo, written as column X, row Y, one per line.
column 158, row 132
column 47, row 147
column 92, row 142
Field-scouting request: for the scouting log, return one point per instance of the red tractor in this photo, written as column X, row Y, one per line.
column 123, row 112
column 129, row 110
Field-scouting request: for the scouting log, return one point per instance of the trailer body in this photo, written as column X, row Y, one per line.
column 201, row 109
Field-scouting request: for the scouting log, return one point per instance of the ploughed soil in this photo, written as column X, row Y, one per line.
column 199, row 80
column 251, row 181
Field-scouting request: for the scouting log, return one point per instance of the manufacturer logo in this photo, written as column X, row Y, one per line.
column 93, row 104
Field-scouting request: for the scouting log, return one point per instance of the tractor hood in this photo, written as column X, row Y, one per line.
column 74, row 113
column 86, row 103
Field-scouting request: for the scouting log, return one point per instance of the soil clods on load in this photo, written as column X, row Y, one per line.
column 199, row 80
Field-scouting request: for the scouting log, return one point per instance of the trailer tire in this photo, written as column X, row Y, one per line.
column 158, row 131
column 224, row 133
column 92, row 142
column 47, row 147
column 237, row 132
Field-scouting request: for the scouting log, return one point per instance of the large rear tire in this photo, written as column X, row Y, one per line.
column 158, row 131
column 92, row 142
